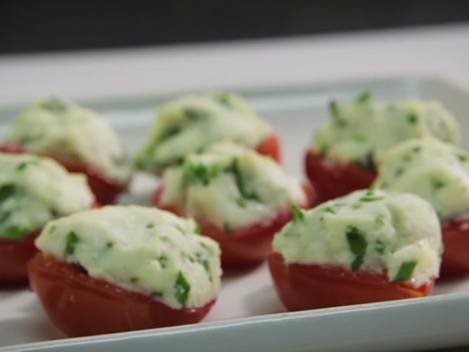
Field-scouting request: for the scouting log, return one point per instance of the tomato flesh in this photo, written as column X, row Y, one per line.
column 105, row 190
column 80, row 305
column 244, row 246
column 455, row 261
column 308, row 286
column 331, row 180
column 271, row 147
column 14, row 256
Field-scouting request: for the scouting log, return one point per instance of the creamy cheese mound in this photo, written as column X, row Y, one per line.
column 34, row 190
column 230, row 186
column 397, row 234
column 65, row 130
column 141, row 249
column 436, row 171
column 361, row 131
column 191, row 123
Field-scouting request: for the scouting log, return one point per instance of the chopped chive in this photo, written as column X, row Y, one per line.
column 363, row 98
column 71, row 242
column 197, row 229
column 412, row 118
column 405, row 271
column 6, row 191
column 379, row 220
column 150, row 225
column 329, row 209
column 109, row 244
column 54, row 105
column 157, row 294
column 181, row 288
column 437, row 184
column 134, row 280
column 335, row 113
column 297, row 213
column 357, row 244
column 163, row 260
column 380, row 247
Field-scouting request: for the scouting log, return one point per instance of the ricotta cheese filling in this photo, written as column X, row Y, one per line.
column 361, row 131
column 436, row 171
column 34, row 190
column 230, row 186
column 65, row 130
column 392, row 233
column 141, row 249
column 190, row 123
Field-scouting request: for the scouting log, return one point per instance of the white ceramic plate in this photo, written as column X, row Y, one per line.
column 248, row 315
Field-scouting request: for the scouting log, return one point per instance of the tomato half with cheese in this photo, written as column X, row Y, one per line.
column 80, row 305
column 271, row 147
column 332, row 179
column 309, row 286
column 104, row 189
column 14, row 256
column 244, row 246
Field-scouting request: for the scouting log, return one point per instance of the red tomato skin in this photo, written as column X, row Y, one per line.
column 105, row 190
column 309, row 286
column 245, row 246
column 271, row 147
column 14, row 256
column 331, row 180
column 455, row 261
column 80, row 305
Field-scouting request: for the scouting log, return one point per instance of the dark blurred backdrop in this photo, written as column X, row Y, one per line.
column 44, row 25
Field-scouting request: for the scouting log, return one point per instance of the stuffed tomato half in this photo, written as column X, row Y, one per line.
column 33, row 191
column 191, row 123
column 366, row 247
column 237, row 196
column 439, row 173
column 78, row 138
column 122, row 268
column 346, row 149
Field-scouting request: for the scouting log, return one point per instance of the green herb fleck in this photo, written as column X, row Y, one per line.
column 297, row 213
column 437, row 184
column 199, row 173
column 223, row 99
column 54, row 105
column 6, row 191
column 158, row 294
column 399, row 171
column 109, row 244
column 380, row 247
column 134, row 280
column 329, row 209
column 379, row 220
column 203, row 260
column 357, row 205
column 163, row 260
column 417, row 149
column 370, row 196
column 462, row 157
column 170, row 132
column 194, row 114
column 357, row 244
column 197, row 229
column 150, row 225
column 243, row 188
column 335, row 113
column 70, row 243
column 241, row 202
column 412, row 118
column 181, row 288
column 405, row 271
column 363, row 98
column 21, row 166
column 15, row 232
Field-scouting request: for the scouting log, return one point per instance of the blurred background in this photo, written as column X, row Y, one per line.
column 39, row 26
